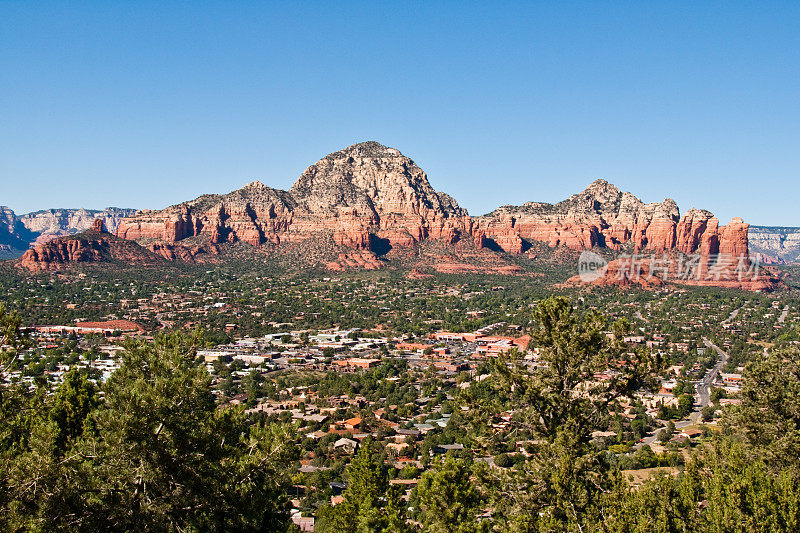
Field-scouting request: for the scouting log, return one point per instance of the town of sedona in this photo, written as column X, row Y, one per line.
column 355, row 267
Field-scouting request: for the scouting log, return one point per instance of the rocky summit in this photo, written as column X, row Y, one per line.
column 603, row 216
column 360, row 203
column 368, row 196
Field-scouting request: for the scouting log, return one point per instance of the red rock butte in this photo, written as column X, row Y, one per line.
column 603, row 216
column 370, row 198
column 366, row 196
column 94, row 245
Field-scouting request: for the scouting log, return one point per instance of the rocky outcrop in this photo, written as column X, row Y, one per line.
column 95, row 245
column 358, row 260
column 600, row 216
column 369, row 199
column 603, row 216
column 369, row 189
column 99, row 226
column 704, row 254
column 674, row 267
column 369, row 196
column 255, row 214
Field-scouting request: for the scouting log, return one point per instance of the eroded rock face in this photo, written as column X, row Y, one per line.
column 704, row 254
column 190, row 254
column 358, row 260
column 371, row 198
column 601, row 215
column 51, row 223
column 778, row 245
column 95, row 245
column 254, row 214
column 99, row 226
column 368, row 196
column 721, row 270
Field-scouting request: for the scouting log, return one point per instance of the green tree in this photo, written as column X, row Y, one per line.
column 720, row 491
column 368, row 503
column 666, row 434
column 11, row 337
column 748, row 480
column 685, row 405
column 718, row 393
column 446, row 499
column 645, row 457
column 156, row 455
column 252, row 385
column 560, row 404
column 769, row 416
column 75, row 398
column 663, row 505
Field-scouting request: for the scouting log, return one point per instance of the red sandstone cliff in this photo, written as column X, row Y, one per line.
column 366, row 196
column 371, row 198
column 603, row 216
column 700, row 270
column 95, row 245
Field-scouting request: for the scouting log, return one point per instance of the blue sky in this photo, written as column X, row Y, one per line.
column 147, row 104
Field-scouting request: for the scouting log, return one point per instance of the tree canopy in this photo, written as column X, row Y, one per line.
column 153, row 452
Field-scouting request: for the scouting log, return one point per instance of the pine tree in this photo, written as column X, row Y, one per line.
column 157, row 454
column 446, row 499
column 368, row 503
column 560, row 403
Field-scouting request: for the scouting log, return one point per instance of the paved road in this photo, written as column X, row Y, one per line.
column 704, row 387
column 650, row 439
column 730, row 318
column 163, row 323
column 703, row 391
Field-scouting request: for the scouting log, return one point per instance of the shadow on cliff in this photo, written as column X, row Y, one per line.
column 492, row 245
column 379, row 246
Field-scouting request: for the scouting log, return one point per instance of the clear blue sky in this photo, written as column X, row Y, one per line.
column 141, row 104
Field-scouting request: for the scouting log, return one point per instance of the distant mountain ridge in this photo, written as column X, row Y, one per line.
column 370, row 196
column 775, row 244
column 376, row 202
column 14, row 236
column 20, row 232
